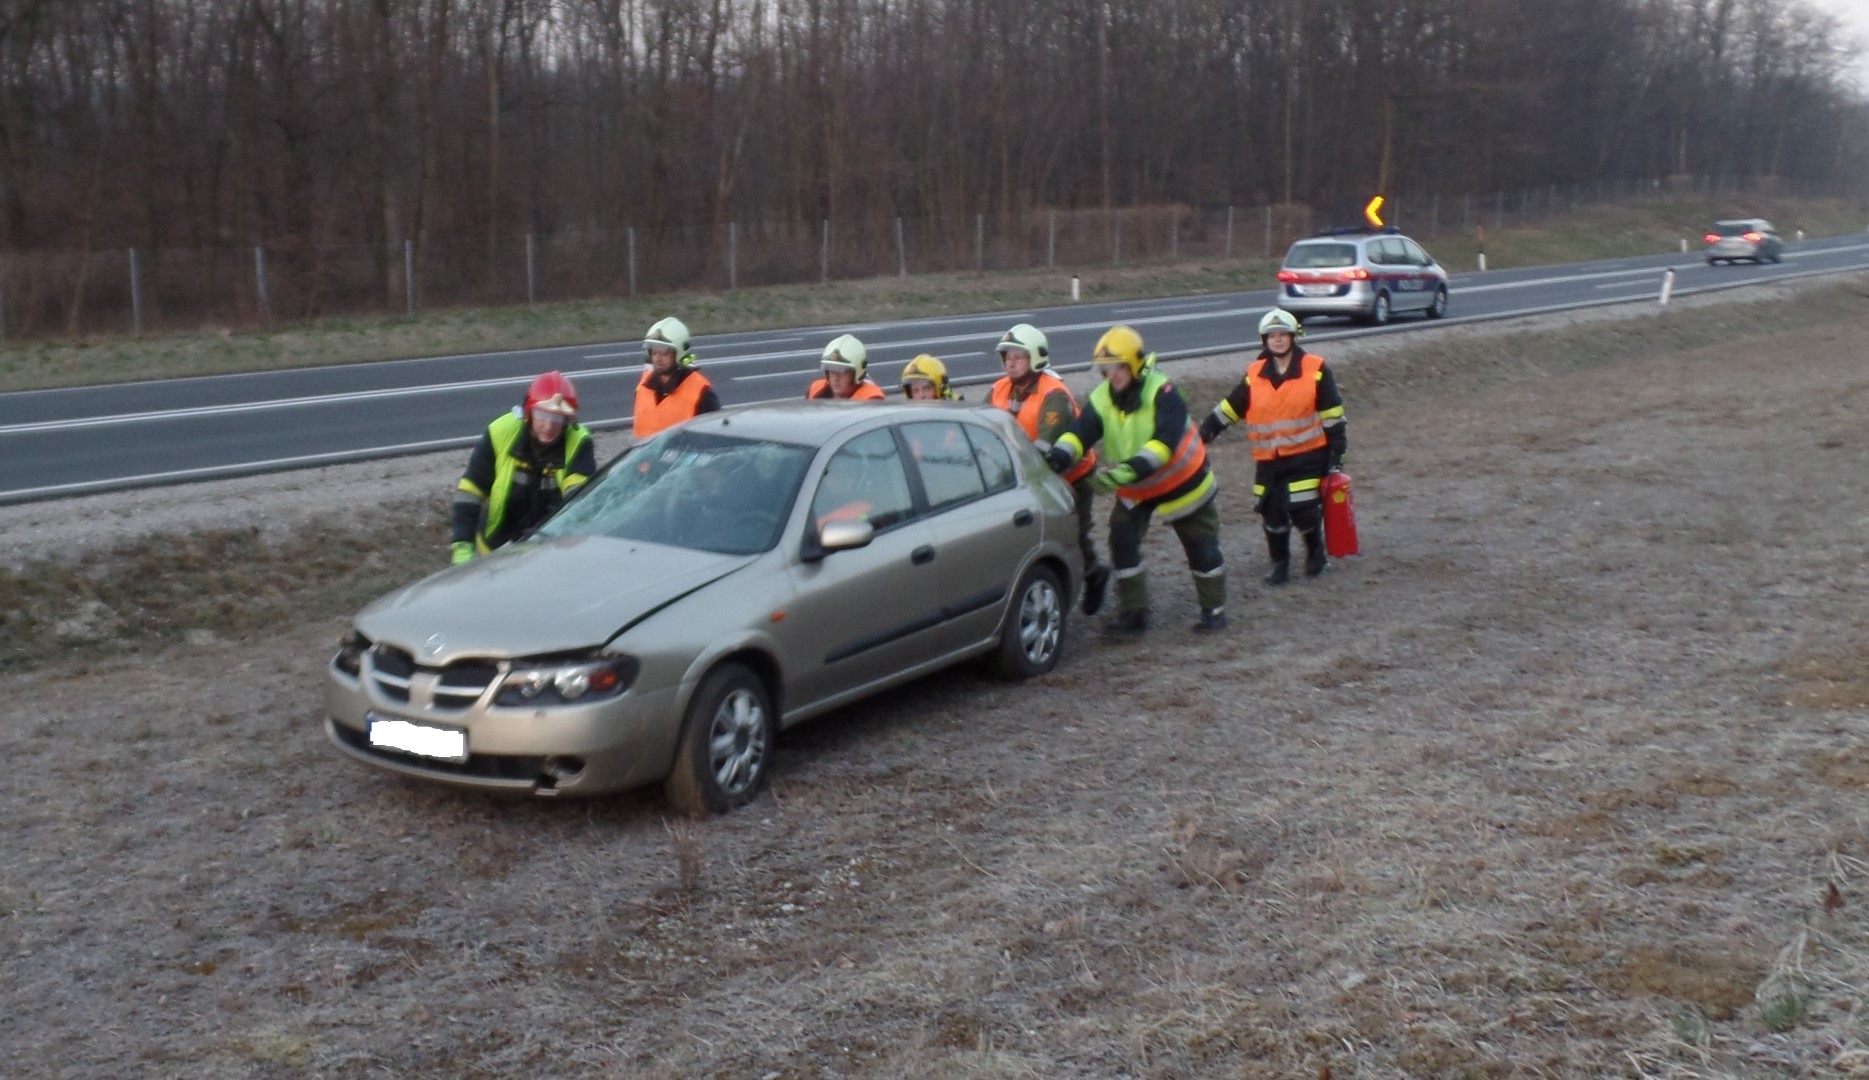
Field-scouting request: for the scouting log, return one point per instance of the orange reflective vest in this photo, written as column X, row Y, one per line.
column 1028, row 414
column 865, row 391
column 1282, row 420
column 683, row 403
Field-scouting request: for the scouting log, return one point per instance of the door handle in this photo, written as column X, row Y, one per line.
column 1022, row 518
column 923, row 555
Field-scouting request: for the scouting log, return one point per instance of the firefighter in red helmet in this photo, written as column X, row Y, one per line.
column 526, row 464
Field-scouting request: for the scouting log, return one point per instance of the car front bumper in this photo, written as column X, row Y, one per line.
column 593, row 749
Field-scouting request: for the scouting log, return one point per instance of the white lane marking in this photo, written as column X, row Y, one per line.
column 1529, row 282
column 284, row 403
column 810, row 373
column 1166, row 305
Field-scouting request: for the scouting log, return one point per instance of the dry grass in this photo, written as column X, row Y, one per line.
column 1562, row 778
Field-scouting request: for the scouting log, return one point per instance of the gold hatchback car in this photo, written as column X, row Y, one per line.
column 724, row 580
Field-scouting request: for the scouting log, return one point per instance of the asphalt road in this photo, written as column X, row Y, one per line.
column 74, row 441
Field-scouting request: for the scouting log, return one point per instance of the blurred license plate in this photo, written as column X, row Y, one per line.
column 1316, row 290
column 422, row 740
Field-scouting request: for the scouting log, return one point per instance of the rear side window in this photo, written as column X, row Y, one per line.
column 1389, row 252
column 865, row 481
column 1320, row 256
column 945, row 459
column 994, row 459
column 1415, row 254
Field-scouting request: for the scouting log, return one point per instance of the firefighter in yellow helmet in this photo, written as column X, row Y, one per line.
column 1045, row 408
column 671, row 389
column 1158, row 468
column 845, row 364
column 1294, row 424
column 925, row 379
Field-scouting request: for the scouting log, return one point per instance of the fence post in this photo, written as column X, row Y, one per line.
column 733, row 255
column 1116, row 241
column 1499, row 210
column 979, row 241
column 1268, row 230
column 1051, row 244
column 259, row 277
column 1434, row 217
column 824, row 255
column 902, row 253
column 1174, row 233
column 408, row 276
column 1229, row 232
column 136, row 296
column 632, row 260
column 531, row 270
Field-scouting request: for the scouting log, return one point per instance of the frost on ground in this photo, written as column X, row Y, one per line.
column 1565, row 776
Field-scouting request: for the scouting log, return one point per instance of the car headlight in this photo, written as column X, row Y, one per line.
column 566, row 682
column 350, row 650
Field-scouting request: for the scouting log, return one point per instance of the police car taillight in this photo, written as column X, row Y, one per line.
column 1354, row 274
column 1287, row 276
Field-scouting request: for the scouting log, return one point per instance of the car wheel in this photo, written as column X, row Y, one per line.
column 1033, row 634
column 726, row 744
column 1379, row 313
column 1439, row 307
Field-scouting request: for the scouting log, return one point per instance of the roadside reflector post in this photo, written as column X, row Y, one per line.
column 532, row 278
column 136, row 296
column 1683, row 245
column 1480, row 232
column 1074, row 292
column 1800, row 234
column 1667, row 287
column 259, row 277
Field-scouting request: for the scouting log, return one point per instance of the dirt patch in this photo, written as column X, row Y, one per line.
column 1551, row 782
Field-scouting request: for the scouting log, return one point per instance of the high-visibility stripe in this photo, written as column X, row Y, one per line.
column 1282, row 419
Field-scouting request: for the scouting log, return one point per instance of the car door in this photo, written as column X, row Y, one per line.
column 865, row 613
column 983, row 522
column 1424, row 269
column 1404, row 276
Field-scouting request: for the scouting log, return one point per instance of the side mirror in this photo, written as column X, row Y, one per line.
column 845, row 535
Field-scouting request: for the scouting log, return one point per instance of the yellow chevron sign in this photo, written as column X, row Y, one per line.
column 1373, row 212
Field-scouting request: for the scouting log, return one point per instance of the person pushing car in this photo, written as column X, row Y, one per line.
column 526, row 464
column 1159, row 470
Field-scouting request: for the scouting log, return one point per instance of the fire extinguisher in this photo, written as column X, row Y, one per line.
column 1339, row 515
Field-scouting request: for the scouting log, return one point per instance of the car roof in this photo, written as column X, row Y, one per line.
column 814, row 423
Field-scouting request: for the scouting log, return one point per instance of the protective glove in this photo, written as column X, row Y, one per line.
column 1114, row 477
column 460, row 551
column 1059, row 459
column 1211, row 428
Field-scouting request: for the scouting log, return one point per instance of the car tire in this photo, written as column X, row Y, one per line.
column 1379, row 311
column 1438, row 308
column 1032, row 635
column 726, row 744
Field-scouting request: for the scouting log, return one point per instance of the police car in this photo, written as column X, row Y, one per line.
column 1364, row 274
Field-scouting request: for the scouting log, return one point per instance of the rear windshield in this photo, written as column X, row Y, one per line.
column 1733, row 228
column 1313, row 256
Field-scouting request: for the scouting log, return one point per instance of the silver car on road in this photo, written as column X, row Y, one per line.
column 726, row 579
column 1364, row 275
column 1744, row 238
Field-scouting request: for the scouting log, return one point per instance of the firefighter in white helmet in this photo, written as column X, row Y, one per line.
column 845, row 364
column 671, row 389
column 1045, row 408
column 1159, row 470
column 1294, row 425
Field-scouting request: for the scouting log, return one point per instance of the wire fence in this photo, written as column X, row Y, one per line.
column 46, row 293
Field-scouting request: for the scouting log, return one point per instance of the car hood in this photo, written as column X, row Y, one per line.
column 534, row 598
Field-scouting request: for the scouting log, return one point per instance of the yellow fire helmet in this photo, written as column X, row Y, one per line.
column 928, row 369
column 1120, row 345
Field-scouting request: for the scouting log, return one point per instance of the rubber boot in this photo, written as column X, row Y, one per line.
column 1314, row 559
column 1132, row 606
column 1279, row 544
column 1096, row 583
column 1210, row 590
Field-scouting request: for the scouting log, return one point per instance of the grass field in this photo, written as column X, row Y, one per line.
column 1586, row 233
